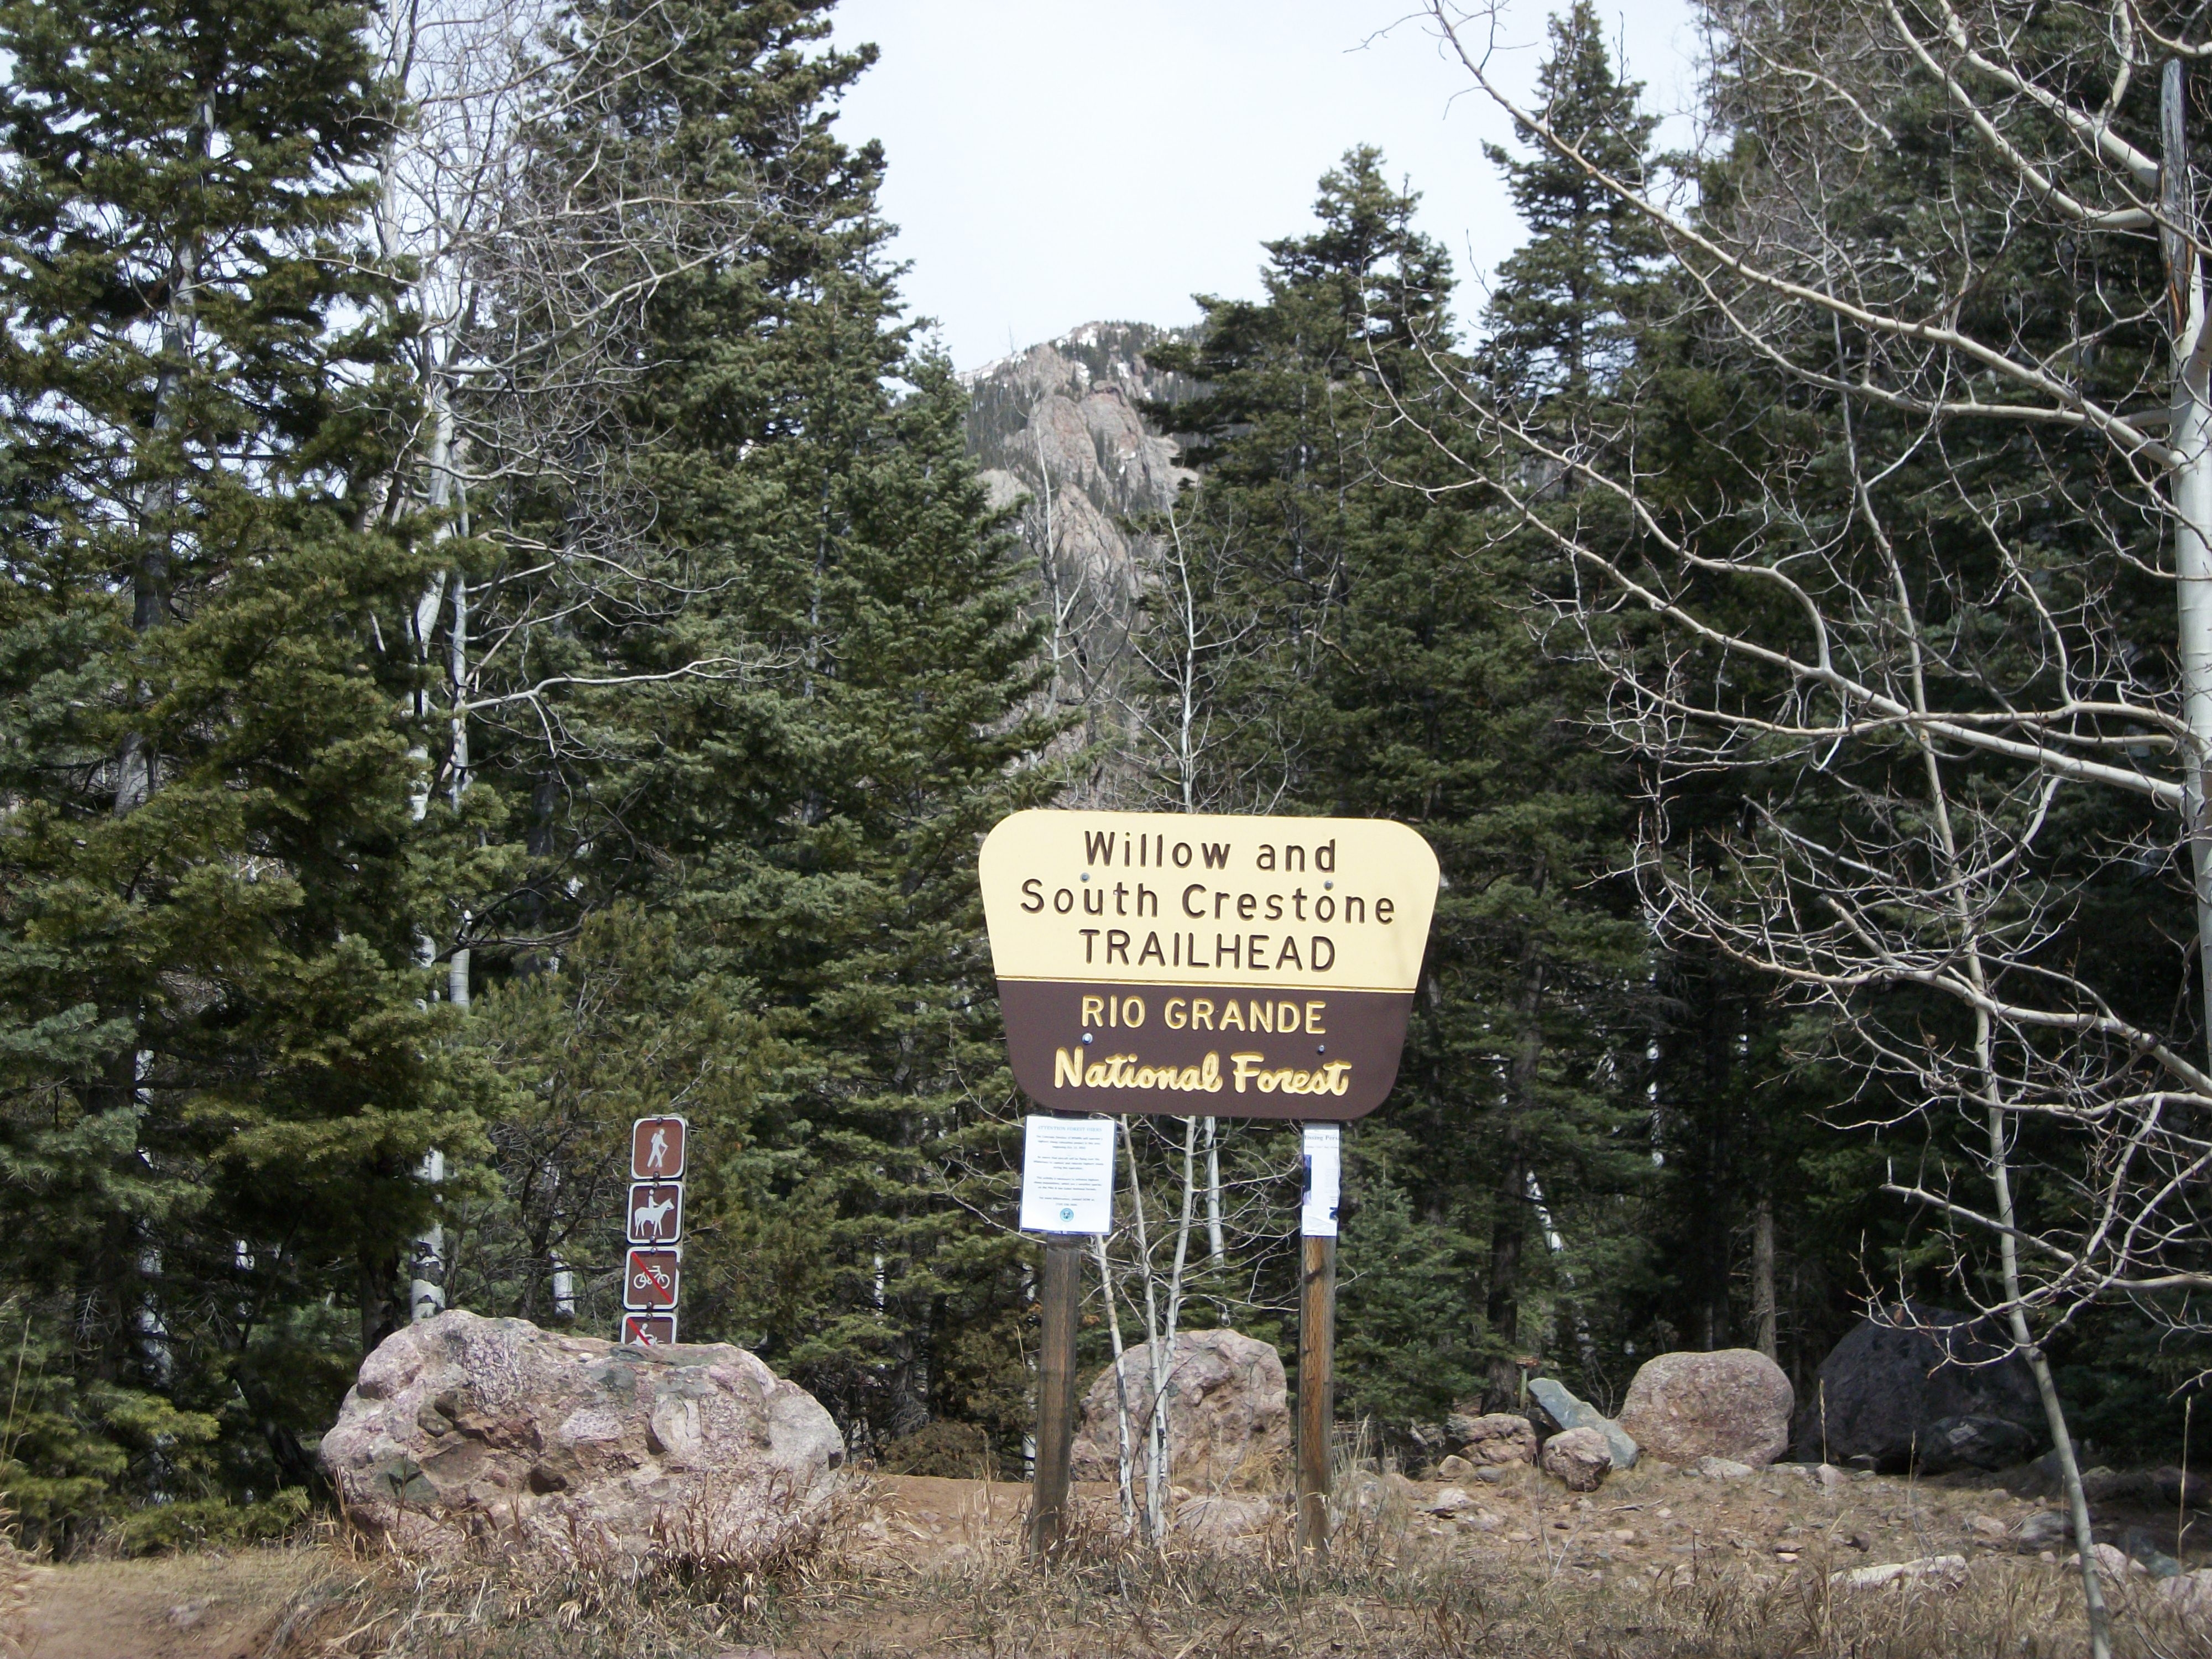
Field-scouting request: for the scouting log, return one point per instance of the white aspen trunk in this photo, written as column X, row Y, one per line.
column 456, row 968
column 2191, row 441
column 1215, row 1251
column 1156, row 1429
column 425, row 1284
column 2192, row 561
column 564, row 1289
column 1124, row 1453
column 426, row 1287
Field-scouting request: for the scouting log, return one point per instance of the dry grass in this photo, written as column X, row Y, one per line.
column 14, row 1592
column 1385, row 1589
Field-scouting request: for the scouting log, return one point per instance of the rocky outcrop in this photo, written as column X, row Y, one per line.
column 1060, row 428
column 1228, row 1419
column 464, row 1428
column 1734, row 1403
column 1563, row 1408
column 1578, row 1458
column 1917, row 1386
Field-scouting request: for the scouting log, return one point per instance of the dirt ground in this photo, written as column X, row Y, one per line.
column 185, row 1606
column 1650, row 1527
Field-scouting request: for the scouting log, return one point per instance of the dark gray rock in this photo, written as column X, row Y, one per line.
column 1917, row 1385
column 2141, row 1546
column 1973, row 1442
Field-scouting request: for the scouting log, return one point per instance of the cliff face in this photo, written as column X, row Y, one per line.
column 1057, row 426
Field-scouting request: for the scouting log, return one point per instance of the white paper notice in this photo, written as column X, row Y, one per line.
column 1067, row 1175
column 1324, row 1164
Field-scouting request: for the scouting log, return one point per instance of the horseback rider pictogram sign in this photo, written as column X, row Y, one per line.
column 656, row 1211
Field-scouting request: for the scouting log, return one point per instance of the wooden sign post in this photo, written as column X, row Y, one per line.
column 1189, row 965
column 1057, row 1298
column 1316, row 1387
column 1317, row 1210
column 1067, row 1195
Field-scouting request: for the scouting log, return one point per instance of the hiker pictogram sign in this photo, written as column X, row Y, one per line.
column 656, row 1149
column 647, row 1330
column 649, row 1280
column 656, row 1211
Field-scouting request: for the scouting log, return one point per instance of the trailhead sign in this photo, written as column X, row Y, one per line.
column 1195, row 965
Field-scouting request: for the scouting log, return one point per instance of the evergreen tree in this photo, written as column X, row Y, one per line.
column 219, row 1080
column 1403, row 680
column 792, row 481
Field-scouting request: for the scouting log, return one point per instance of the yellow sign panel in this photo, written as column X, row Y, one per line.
column 1189, row 899
column 1220, row 966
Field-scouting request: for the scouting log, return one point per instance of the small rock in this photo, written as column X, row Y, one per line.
column 2043, row 1531
column 1450, row 1501
column 1455, row 1468
column 1480, row 1521
column 1569, row 1412
column 1987, row 1526
column 1940, row 1570
column 2191, row 1594
column 187, row 1615
column 1721, row 1469
column 1225, row 1519
column 1493, row 1475
column 1579, row 1458
column 2111, row 1562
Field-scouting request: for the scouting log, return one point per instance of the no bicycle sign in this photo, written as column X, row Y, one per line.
column 1194, row 965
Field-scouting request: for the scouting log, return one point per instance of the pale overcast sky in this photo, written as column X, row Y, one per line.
column 1055, row 162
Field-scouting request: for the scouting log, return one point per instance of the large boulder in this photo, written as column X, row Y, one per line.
column 462, row 1427
column 1733, row 1403
column 1917, row 1386
column 1229, row 1417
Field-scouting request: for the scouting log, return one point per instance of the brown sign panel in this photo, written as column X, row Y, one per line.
column 1199, row 965
column 645, row 1330
column 650, row 1279
column 656, row 1211
column 656, row 1149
